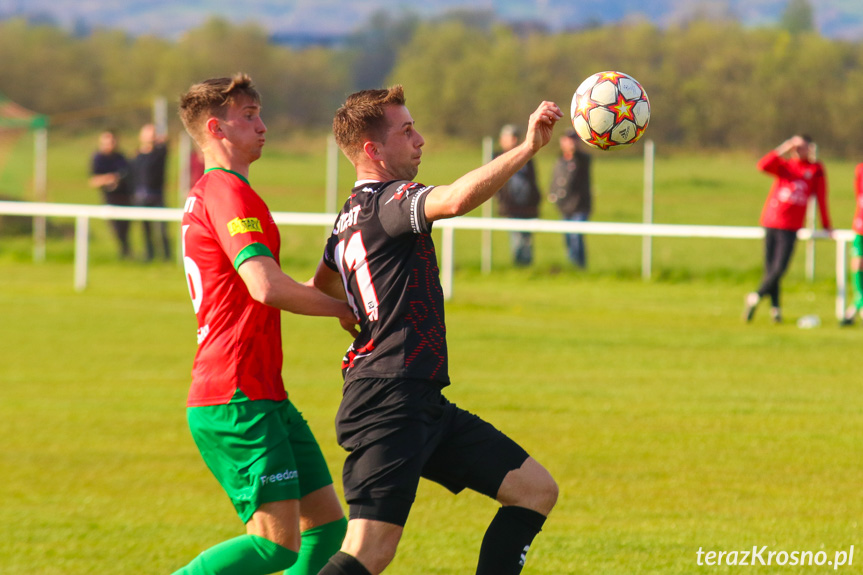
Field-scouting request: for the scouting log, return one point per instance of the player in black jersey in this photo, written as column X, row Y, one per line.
column 393, row 420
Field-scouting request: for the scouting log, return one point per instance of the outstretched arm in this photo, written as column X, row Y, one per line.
column 268, row 284
column 330, row 283
column 477, row 186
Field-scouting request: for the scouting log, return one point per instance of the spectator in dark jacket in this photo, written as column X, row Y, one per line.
column 109, row 171
column 519, row 198
column 570, row 191
column 148, row 169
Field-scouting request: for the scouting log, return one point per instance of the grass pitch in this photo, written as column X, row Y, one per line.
column 669, row 424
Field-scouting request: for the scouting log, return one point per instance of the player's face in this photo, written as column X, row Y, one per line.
column 402, row 147
column 244, row 130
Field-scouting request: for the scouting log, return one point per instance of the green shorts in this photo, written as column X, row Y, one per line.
column 259, row 451
column 857, row 246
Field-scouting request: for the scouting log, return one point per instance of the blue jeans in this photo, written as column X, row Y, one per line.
column 575, row 242
column 521, row 244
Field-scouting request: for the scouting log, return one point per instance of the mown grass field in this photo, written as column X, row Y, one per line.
column 669, row 424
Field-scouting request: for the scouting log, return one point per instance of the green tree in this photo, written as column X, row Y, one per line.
column 798, row 17
column 373, row 50
column 45, row 69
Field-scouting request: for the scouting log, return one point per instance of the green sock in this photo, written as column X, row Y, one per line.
column 857, row 278
column 318, row 545
column 243, row 555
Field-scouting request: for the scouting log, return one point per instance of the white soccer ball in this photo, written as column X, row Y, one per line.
column 610, row 110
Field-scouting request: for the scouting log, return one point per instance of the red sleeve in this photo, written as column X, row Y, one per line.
column 773, row 163
column 858, row 181
column 239, row 222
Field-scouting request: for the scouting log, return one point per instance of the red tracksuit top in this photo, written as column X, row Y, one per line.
column 796, row 181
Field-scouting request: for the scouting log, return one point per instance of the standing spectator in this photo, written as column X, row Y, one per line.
column 252, row 437
column 798, row 177
column 109, row 171
column 394, row 420
column 148, row 170
column 856, row 307
column 518, row 198
column 570, row 190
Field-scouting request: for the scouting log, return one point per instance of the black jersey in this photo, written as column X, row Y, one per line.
column 381, row 246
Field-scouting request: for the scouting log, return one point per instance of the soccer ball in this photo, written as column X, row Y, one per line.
column 610, row 110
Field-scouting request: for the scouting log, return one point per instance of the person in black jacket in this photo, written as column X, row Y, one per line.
column 148, row 169
column 519, row 198
column 570, row 190
column 109, row 171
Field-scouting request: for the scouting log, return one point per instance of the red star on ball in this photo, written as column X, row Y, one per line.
column 622, row 109
column 585, row 105
column 600, row 142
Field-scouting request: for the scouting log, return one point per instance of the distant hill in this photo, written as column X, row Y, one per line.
column 329, row 19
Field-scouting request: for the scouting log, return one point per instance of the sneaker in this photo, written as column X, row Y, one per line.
column 850, row 317
column 751, row 302
column 776, row 314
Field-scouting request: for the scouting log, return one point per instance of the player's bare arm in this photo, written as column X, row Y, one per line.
column 477, row 186
column 328, row 281
column 268, row 284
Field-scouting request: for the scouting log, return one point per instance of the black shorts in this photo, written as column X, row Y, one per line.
column 398, row 430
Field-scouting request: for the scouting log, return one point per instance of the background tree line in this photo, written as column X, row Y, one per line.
column 712, row 84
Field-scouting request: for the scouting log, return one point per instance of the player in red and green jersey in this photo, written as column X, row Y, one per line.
column 251, row 437
column 798, row 177
column 239, row 345
column 856, row 307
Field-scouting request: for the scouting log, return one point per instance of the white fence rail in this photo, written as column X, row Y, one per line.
column 82, row 214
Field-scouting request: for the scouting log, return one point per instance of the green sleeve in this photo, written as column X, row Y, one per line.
column 251, row 251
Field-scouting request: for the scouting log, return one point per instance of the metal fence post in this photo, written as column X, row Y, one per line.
column 82, row 251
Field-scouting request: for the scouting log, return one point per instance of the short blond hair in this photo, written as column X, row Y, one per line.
column 362, row 117
column 211, row 98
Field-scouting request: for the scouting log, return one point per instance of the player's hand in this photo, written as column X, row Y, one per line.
column 350, row 325
column 541, row 125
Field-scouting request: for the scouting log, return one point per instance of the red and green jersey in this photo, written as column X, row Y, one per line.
column 239, row 339
column 857, row 225
column 796, row 181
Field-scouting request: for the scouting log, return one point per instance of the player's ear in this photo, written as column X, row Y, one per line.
column 371, row 150
column 214, row 128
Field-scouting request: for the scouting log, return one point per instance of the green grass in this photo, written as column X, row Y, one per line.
column 669, row 424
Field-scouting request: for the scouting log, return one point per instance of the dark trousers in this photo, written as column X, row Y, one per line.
column 153, row 200
column 120, row 227
column 778, row 247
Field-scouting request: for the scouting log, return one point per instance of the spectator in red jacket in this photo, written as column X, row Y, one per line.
column 857, row 252
column 798, row 177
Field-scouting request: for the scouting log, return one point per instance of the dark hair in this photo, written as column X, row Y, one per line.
column 362, row 118
column 213, row 97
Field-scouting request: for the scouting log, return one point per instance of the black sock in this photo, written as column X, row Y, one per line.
column 343, row 564
column 507, row 540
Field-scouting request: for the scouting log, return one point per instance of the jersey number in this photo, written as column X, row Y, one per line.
column 193, row 276
column 351, row 257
